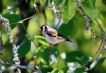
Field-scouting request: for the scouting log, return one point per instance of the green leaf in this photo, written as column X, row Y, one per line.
column 71, row 8
column 43, row 53
column 67, row 30
column 57, row 2
column 69, row 11
column 64, row 15
column 33, row 1
column 92, row 2
column 63, row 2
column 41, row 40
column 13, row 18
column 75, row 70
column 79, row 70
column 101, row 60
column 92, row 12
column 24, row 48
column 76, row 56
column 57, row 71
column 46, row 69
column 50, row 1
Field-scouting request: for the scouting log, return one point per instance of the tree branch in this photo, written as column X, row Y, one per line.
column 29, row 67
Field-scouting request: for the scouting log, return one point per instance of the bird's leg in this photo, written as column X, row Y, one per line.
column 50, row 51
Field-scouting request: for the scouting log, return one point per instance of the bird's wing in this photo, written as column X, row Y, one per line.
column 58, row 35
column 53, row 33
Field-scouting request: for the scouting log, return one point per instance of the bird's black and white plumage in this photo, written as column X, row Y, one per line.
column 52, row 36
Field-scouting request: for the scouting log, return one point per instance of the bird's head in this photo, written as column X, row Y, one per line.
column 43, row 28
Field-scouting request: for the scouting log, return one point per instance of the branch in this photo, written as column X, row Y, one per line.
column 29, row 67
column 54, row 8
column 84, row 14
column 56, row 11
column 96, row 61
column 87, row 27
column 6, row 24
column 1, row 42
column 87, row 19
column 22, row 21
column 101, row 29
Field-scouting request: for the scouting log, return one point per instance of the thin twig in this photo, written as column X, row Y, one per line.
column 59, row 20
column 98, row 49
column 100, row 56
column 56, row 11
column 101, row 29
column 92, row 35
column 28, row 34
column 87, row 27
column 101, row 45
column 20, row 22
column 54, row 8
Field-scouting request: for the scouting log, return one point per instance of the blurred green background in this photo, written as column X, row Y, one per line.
column 33, row 49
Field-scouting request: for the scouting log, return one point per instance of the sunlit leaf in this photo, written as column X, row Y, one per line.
column 63, row 2
column 45, row 52
column 57, row 71
column 92, row 12
column 92, row 2
column 41, row 40
column 32, row 1
column 69, row 11
column 64, row 15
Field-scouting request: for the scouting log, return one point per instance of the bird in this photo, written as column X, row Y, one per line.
column 52, row 36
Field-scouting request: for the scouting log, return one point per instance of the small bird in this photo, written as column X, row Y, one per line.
column 52, row 36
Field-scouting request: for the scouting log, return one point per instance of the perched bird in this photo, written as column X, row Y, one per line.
column 52, row 36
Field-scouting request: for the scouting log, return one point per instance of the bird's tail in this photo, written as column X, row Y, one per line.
column 69, row 40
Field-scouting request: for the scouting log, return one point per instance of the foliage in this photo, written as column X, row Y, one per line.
column 66, row 56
